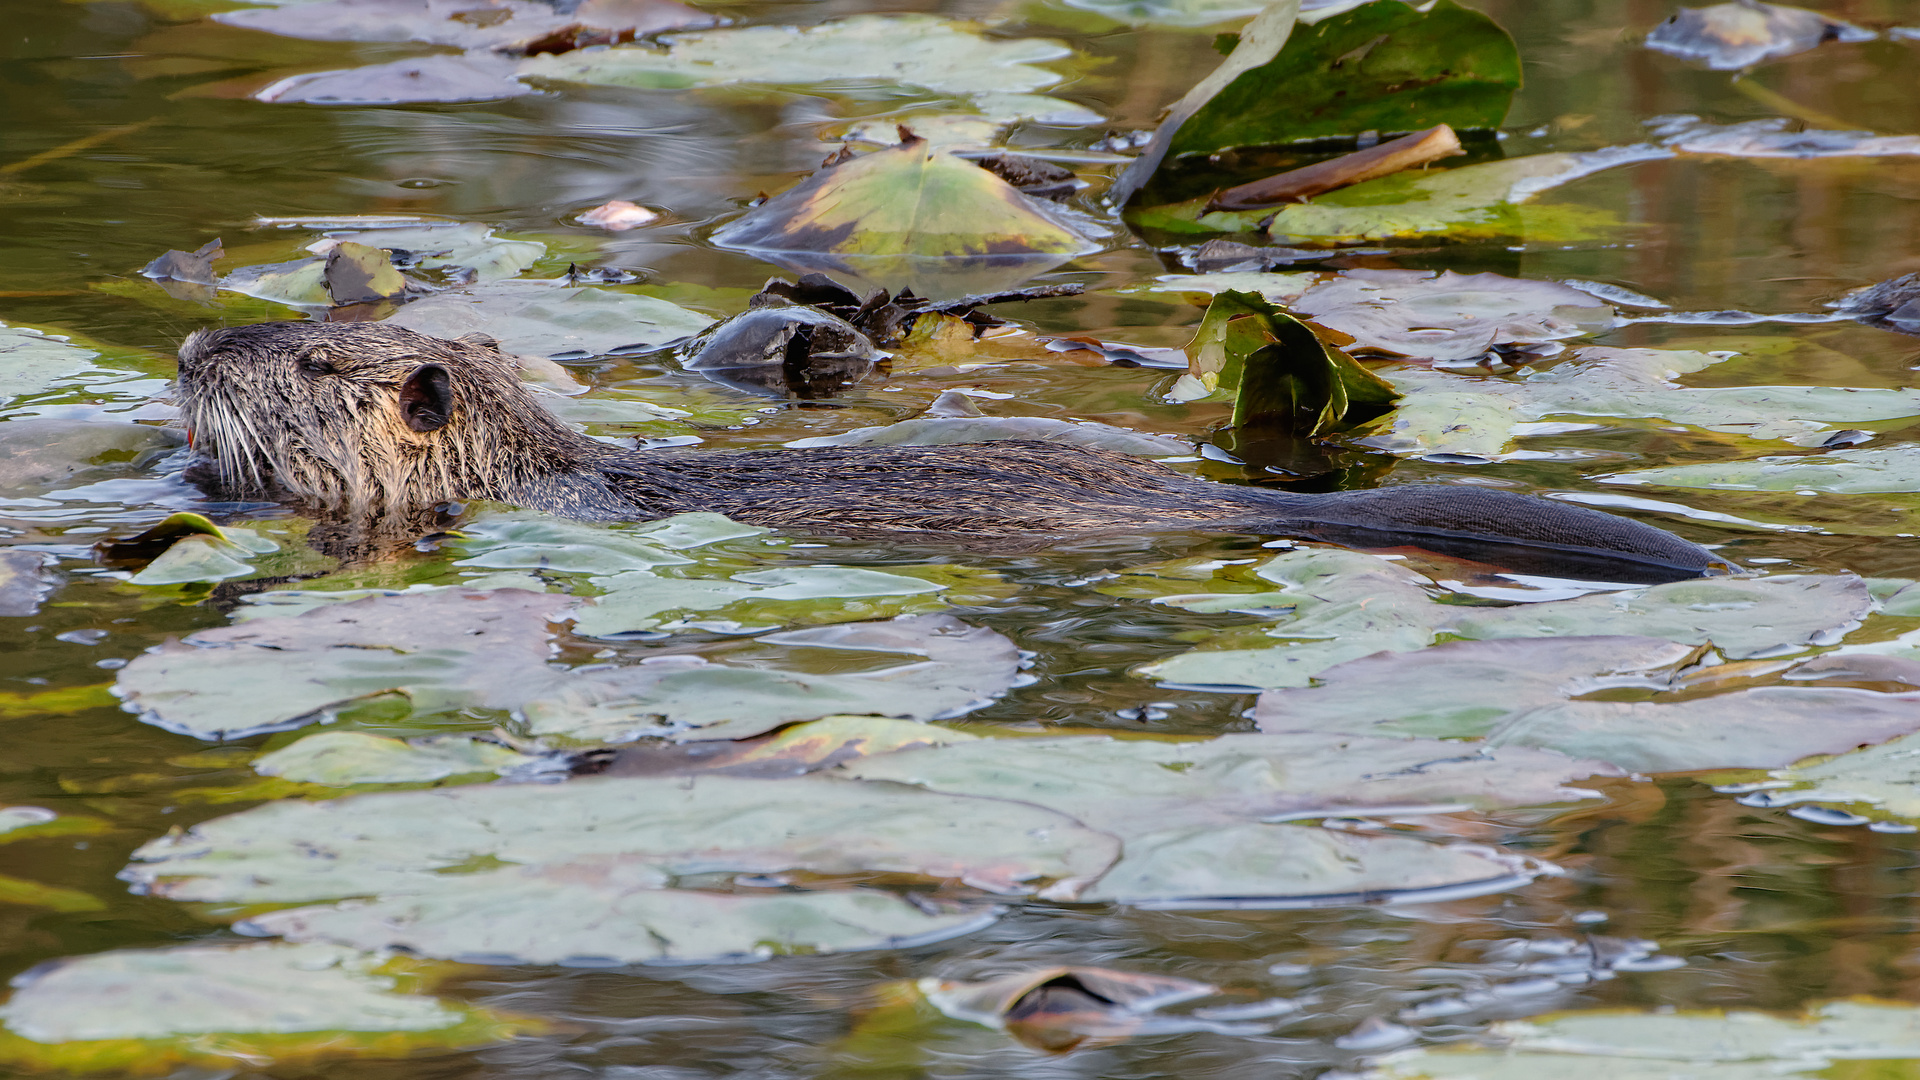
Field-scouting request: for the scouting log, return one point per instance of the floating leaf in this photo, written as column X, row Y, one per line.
column 474, row 76
column 791, row 751
column 1186, row 13
column 24, row 582
column 1449, row 316
column 41, row 452
column 25, row 893
column 339, row 758
column 462, row 248
column 32, row 361
column 507, row 23
column 883, row 215
column 1836, row 1038
column 1336, row 606
column 551, row 320
column 1469, row 202
column 227, row 1006
column 1842, row 472
column 1728, row 37
column 1385, row 66
column 1777, row 137
column 883, row 50
column 587, row 869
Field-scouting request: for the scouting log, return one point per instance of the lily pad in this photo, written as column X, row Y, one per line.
column 1195, row 818
column 32, row 361
column 879, row 50
column 598, row 868
column 1448, row 316
column 222, row 1006
column 508, row 23
column 883, row 215
column 276, row 674
column 464, row 247
column 1521, row 693
column 37, row 453
column 1777, row 137
column 339, row 758
column 1386, row 66
column 1626, row 1044
column 1728, row 37
column 24, row 582
column 475, row 76
column 552, row 320
column 1189, row 13
column 1624, row 384
column 1481, row 201
column 1335, row 606
column 1842, row 472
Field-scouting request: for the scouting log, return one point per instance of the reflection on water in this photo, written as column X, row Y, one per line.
column 1671, row 893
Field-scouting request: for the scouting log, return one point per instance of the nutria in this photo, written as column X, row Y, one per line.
column 375, row 418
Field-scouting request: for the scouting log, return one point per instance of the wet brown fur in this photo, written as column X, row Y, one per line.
column 313, row 412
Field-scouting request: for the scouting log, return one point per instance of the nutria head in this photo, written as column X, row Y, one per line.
column 365, row 416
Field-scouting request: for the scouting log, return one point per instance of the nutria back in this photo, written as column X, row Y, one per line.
column 365, row 417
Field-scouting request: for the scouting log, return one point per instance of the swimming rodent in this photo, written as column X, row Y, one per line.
column 374, row 418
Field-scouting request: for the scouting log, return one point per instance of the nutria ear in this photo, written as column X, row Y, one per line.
column 426, row 398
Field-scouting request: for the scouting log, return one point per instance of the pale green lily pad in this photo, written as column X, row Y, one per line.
column 947, row 430
column 880, row 50
column 229, row 1006
column 1333, row 607
column 1840, row 472
column 195, row 558
column 1484, row 201
column 595, row 868
column 276, row 674
column 1449, row 316
column 339, row 758
column 1621, row 1044
column 298, row 283
column 548, row 319
column 1623, row 384
column 463, row 246
column 637, row 600
column 1280, row 289
column 1183, row 13
column 32, row 361
column 42, row 452
column 1196, row 817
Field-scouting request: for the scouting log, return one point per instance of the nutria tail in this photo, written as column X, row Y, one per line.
column 1505, row 527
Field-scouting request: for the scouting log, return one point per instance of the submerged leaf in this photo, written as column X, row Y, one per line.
column 1065, row 1008
column 1731, row 36
column 1386, row 66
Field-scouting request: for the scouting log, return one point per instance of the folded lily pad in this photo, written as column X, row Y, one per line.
column 225, row 1006
column 552, row 320
column 882, row 50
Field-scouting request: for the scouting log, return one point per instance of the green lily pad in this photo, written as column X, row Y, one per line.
column 1385, row 66
column 548, row 319
column 1336, row 606
column 638, row 600
column 225, row 1006
column 1197, row 818
column 340, row 758
column 880, row 50
column 32, row 361
column 1628, row 384
column 511, row 22
column 1521, row 693
column 1841, row 472
column 1836, row 1038
column 948, row 430
column 891, row 214
column 1449, row 316
column 459, row 246
column 281, row 673
column 603, row 868
column 1185, row 13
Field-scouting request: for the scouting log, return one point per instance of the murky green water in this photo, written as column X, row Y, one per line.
column 1764, row 909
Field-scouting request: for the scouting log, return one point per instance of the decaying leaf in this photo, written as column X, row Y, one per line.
column 619, row 215
column 193, row 267
column 1299, row 185
column 1737, row 35
column 1069, row 1008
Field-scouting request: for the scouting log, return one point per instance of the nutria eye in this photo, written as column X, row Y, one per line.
column 314, row 362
